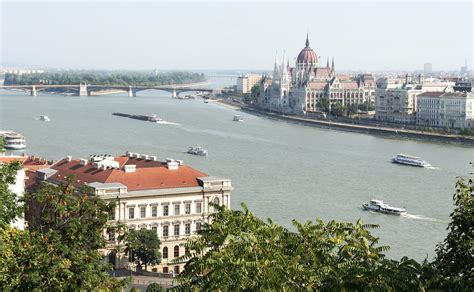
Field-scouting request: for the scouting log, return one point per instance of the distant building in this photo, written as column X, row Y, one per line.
column 428, row 68
column 300, row 89
column 446, row 109
column 464, row 70
column 170, row 198
column 396, row 99
column 247, row 81
column 29, row 163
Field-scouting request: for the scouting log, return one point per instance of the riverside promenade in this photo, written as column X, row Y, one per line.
column 366, row 129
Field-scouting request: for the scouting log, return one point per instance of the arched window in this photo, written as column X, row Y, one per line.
column 165, row 252
column 215, row 201
column 176, row 251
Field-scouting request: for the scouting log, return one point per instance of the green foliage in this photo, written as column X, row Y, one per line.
column 60, row 250
column 123, row 78
column 324, row 105
column 455, row 256
column 366, row 106
column 9, row 209
column 238, row 251
column 2, row 143
column 154, row 287
column 351, row 109
column 337, row 109
column 255, row 90
column 145, row 245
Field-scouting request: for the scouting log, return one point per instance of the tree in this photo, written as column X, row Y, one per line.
column 154, row 287
column 145, row 245
column 9, row 209
column 324, row 105
column 60, row 249
column 337, row 109
column 352, row 109
column 455, row 255
column 238, row 251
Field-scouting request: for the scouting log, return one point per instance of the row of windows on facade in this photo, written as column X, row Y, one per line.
column 165, row 211
column 165, row 230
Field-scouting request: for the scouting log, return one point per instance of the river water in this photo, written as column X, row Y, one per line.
column 280, row 170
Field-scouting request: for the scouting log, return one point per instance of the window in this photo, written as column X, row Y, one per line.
column 187, row 228
column 165, row 270
column 142, row 212
column 198, row 226
column 165, row 230
column 176, row 251
column 154, row 211
column 187, row 208
column 216, row 203
column 111, row 235
column 199, row 207
column 131, row 212
column 112, row 213
column 154, row 229
column 165, row 210
column 176, row 230
column 176, row 270
column 176, row 209
column 165, row 252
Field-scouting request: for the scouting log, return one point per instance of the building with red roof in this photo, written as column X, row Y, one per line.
column 168, row 197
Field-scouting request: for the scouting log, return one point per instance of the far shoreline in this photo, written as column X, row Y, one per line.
column 355, row 128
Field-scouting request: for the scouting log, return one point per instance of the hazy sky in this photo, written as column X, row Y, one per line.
column 237, row 35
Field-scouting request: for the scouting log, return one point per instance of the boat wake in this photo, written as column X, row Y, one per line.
column 168, row 123
column 432, row 167
column 418, row 217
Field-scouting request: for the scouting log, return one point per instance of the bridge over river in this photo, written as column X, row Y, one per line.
column 90, row 89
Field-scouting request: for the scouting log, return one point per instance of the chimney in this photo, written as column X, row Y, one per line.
column 69, row 158
column 173, row 165
column 154, row 158
column 180, row 162
column 130, row 168
column 83, row 162
column 144, row 156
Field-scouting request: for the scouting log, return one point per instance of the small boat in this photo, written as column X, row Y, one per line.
column 206, row 101
column 156, row 119
column 379, row 206
column 13, row 140
column 410, row 160
column 238, row 118
column 44, row 118
column 197, row 151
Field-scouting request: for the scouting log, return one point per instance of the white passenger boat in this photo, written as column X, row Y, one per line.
column 379, row 206
column 13, row 140
column 197, row 151
column 156, row 119
column 238, row 118
column 410, row 160
column 44, row 118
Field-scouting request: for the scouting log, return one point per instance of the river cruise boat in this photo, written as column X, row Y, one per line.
column 197, row 151
column 238, row 118
column 410, row 160
column 12, row 140
column 379, row 206
column 44, row 118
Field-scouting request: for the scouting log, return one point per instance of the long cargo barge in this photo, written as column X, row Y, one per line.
column 153, row 119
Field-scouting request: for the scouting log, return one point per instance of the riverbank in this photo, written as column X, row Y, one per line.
column 366, row 129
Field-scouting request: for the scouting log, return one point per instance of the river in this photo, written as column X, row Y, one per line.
column 280, row 170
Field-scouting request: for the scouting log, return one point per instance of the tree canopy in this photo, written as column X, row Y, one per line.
column 144, row 245
column 61, row 249
column 239, row 251
column 123, row 78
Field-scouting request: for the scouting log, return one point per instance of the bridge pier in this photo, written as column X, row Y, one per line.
column 83, row 90
column 173, row 93
column 131, row 92
column 33, row 90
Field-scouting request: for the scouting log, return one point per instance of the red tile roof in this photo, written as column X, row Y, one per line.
column 28, row 162
column 148, row 174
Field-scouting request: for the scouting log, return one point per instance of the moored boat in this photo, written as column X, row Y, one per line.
column 381, row 207
column 13, row 140
column 44, row 118
column 410, row 160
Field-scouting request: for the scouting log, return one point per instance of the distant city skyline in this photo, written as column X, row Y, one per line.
column 243, row 36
